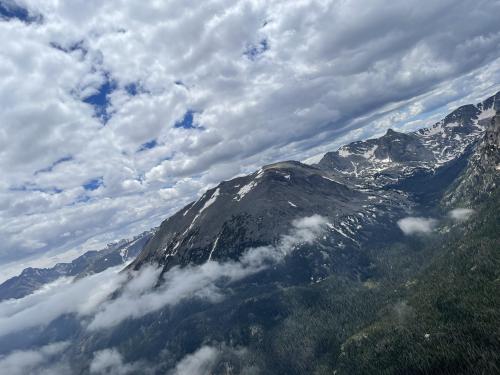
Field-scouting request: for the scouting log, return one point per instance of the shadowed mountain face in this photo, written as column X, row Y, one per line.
column 256, row 210
column 359, row 297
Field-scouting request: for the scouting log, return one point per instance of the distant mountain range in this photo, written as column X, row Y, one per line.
column 89, row 263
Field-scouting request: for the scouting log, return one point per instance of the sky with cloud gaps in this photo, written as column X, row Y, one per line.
column 115, row 114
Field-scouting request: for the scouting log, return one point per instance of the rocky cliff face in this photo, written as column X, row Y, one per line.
column 482, row 175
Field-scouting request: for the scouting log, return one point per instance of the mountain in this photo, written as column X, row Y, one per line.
column 89, row 263
column 481, row 176
column 256, row 210
column 445, row 318
column 364, row 299
column 359, row 188
column 365, row 295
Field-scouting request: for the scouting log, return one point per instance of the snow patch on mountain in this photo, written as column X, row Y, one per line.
column 344, row 152
column 214, row 246
column 211, row 201
column 488, row 113
column 244, row 190
column 370, row 154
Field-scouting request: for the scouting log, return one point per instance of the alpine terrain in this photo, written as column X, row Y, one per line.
column 382, row 258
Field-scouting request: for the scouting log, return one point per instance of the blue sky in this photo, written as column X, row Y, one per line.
column 115, row 114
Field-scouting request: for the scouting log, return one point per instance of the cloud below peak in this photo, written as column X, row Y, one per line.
column 461, row 214
column 135, row 294
column 417, row 225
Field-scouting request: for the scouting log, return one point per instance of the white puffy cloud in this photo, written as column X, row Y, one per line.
column 461, row 214
column 265, row 81
column 414, row 225
column 110, row 362
column 197, row 363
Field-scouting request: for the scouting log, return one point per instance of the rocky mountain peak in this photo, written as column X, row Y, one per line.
column 357, row 188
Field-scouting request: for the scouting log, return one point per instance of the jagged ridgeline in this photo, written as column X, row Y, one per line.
column 361, row 295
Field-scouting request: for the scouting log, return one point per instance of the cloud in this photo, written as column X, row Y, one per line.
column 203, row 281
column 61, row 297
column 199, row 363
column 415, row 225
column 110, row 362
column 235, row 65
column 136, row 295
column 461, row 214
column 43, row 361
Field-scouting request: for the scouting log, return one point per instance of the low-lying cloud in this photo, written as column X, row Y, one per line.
column 36, row 361
column 415, row 225
column 198, row 363
column 201, row 281
column 61, row 297
column 110, row 362
column 89, row 298
column 209, row 359
column 461, row 214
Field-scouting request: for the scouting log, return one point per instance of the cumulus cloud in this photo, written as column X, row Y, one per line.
column 461, row 214
column 234, row 65
column 89, row 298
column 43, row 361
column 415, row 225
column 110, row 362
column 197, row 363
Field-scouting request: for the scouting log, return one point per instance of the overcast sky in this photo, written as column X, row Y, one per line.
column 114, row 114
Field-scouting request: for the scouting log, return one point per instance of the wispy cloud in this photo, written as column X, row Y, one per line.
column 43, row 361
column 89, row 298
column 200, row 281
column 61, row 297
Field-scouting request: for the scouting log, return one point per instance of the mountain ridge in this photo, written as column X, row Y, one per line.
column 94, row 261
column 375, row 156
column 358, row 188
